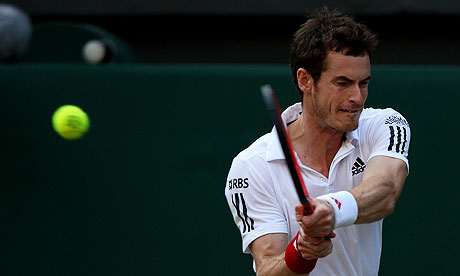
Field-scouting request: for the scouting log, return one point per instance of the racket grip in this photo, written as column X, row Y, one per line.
column 307, row 209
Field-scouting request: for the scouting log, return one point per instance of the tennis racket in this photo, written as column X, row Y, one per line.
column 274, row 110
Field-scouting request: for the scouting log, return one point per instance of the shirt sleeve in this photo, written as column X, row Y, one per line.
column 389, row 135
column 252, row 200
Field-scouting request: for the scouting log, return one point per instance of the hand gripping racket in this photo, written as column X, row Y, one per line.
column 274, row 110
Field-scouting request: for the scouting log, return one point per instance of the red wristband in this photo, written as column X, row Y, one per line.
column 294, row 260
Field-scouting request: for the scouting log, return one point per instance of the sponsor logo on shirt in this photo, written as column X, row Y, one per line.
column 396, row 120
column 238, row 183
column 358, row 167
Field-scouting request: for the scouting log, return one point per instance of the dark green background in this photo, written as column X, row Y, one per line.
column 143, row 192
column 219, row 7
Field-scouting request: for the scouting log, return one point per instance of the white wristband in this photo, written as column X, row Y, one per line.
column 345, row 207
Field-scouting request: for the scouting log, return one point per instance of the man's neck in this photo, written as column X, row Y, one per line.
column 315, row 145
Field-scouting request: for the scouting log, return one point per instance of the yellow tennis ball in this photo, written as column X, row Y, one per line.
column 70, row 122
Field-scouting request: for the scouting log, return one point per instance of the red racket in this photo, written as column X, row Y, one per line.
column 274, row 110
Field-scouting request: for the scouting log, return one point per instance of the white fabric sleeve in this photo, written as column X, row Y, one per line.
column 252, row 200
column 389, row 135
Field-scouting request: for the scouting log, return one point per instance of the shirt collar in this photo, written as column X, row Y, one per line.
column 274, row 150
column 292, row 113
column 352, row 137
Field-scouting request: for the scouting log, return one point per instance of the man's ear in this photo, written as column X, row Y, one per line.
column 304, row 80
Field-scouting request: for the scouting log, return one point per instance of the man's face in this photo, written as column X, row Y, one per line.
column 339, row 95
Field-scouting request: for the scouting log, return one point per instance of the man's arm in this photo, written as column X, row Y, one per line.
column 269, row 250
column 382, row 184
column 375, row 196
column 268, row 254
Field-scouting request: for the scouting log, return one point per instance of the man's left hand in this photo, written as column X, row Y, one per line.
column 320, row 223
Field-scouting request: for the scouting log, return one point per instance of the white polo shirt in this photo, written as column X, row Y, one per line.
column 262, row 197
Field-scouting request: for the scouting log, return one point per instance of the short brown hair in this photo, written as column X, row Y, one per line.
column 327, row 31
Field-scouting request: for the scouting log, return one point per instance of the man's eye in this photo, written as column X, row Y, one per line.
column 342, row 83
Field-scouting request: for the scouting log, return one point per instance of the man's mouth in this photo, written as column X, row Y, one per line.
column 349, row 110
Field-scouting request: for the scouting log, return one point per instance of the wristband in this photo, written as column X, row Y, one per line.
column 294, row 260
column 345, row 207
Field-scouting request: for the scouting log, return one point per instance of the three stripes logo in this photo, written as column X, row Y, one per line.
column 358, row 167
column 398, row 139
column 396, row 120
column 248, row 223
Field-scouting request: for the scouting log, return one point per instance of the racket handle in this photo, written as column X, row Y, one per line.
column 307, row 209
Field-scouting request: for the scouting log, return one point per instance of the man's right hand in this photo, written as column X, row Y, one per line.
column 312, row 248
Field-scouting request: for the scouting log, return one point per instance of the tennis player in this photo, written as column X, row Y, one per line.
column 354, row 161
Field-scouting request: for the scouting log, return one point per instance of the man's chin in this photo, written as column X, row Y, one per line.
column 349, row 127
column 349, row 123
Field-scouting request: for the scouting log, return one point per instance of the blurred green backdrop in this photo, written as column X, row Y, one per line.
column 143, row 192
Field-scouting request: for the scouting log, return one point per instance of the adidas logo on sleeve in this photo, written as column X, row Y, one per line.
column 358, row 167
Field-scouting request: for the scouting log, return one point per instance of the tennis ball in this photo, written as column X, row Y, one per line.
column 70, row 122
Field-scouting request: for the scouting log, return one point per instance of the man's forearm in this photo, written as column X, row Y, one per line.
column 382, row 185
column 273, row 257
column 274, row 266
column 375, row 198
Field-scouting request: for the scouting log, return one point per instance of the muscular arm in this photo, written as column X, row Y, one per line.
column 268, row 253
column 376, row 195
column 269, row 250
